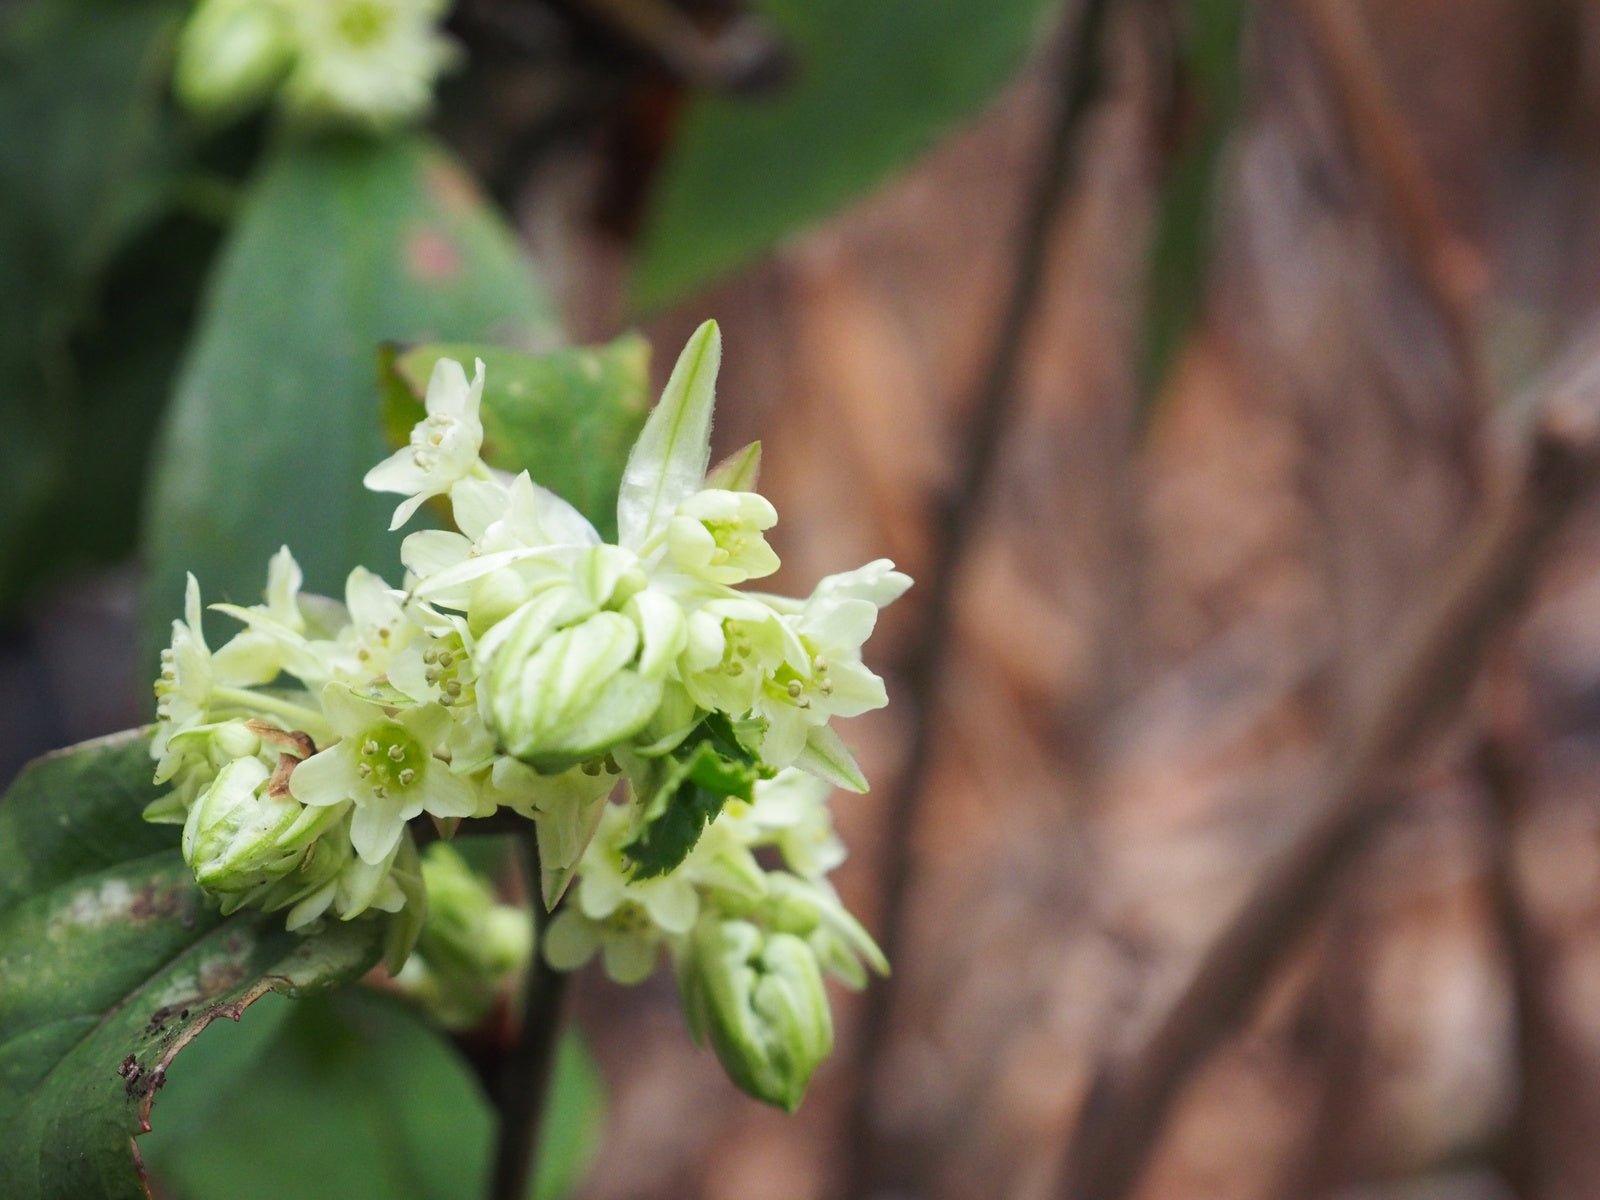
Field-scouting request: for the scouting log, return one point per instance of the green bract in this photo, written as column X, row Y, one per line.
column 527, row 665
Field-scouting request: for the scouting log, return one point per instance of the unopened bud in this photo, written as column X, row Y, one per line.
column 240, row 835
column 759, row 998
column 232, row 55
column 558, row 696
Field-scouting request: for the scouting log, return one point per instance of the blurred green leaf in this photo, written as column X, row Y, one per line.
column 876, row 85
column 1180, row 249
column 340, row 246
column 567, row 417
column 352, row 1096
column 88, row 152
column 113, row 961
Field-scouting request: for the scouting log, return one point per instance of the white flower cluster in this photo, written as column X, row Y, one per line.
column 368, row 63
column 526, row 665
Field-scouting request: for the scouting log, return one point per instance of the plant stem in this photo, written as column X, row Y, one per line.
column 525, row 1076
column 308, row 719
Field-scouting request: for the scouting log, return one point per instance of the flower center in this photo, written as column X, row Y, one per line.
column 442, row 668
column 428, row 439
column 628, row 918
column 738, row 650
column 389, row 759
column 364, row 23
column 731, row 540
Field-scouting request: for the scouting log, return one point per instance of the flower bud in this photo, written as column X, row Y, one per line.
column 759, row 997
column 232, row 55
column 242, row 833
column 559, row 696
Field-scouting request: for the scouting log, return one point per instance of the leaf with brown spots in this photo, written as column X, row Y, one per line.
column 113, row 960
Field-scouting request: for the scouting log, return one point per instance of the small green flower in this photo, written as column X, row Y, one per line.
column 366, row 62
column 832, row 624
column 625, row 920
column 386, row 765
column 717, row 536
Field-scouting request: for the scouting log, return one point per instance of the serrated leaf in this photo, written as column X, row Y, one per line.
column 687, row 793
column 875, row 85
column 376, row 1104
column 668, row 462
column 339, row 247
column 567, row 417
column 113, row 962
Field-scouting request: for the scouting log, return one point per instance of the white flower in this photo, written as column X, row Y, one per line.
column 791, row 812
column 370, row 62
column 386, row 765
column 717, row 536
column 443, row 448
column 377, row 629
column 276, row 635
column 734, row 644
column 833, row 624
column 625, row 920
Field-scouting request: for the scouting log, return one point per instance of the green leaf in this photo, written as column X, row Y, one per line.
column 340, row 246
column 876, row 85
column 567, row 417
column 87, row 155
column 353, row 1096
column 1180, row 249
column 113, row 962
column 688, row 791
column 668, row 462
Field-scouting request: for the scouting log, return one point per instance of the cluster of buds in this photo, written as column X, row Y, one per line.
column 366, row 63
column 526, row 665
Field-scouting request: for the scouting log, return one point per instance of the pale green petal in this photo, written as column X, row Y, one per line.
column 787, row 730
column 349, row 714
column 375, row 828
column 840, row 624
column 629, row 960
column 312, row 907
column 570, row 941
column 672, row 903
column 397, row 473
column 668, row 462
column 828, row 758
column 663, row 631
column 443, row 793
column 430, row 551
column 477, row 504
column 327, row 778
column 600, row 892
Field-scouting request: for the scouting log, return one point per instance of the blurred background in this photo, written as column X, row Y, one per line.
column 1177, row 350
